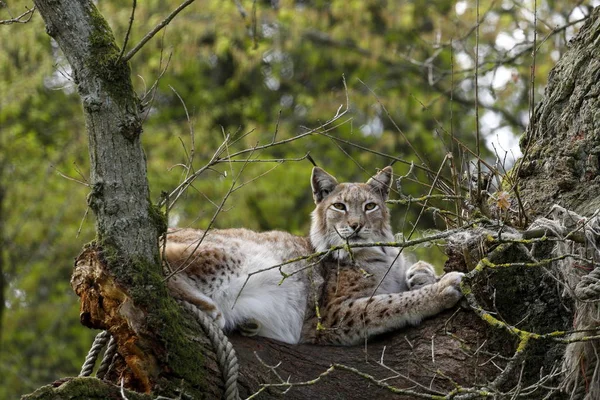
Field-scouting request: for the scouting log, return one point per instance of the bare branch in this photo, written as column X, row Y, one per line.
column 21, row 19
column 156, row 29
column 128, row 30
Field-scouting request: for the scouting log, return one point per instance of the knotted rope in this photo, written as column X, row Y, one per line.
column 226, row 357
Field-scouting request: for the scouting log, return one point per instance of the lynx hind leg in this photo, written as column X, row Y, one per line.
column 420, row 274
column 182, row 290
column 249, row 327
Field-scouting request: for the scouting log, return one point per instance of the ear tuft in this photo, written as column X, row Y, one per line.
column 382, row 181
column 322, row 184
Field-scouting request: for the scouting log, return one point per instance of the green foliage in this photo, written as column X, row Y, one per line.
column 42, row 133
column 281, row 71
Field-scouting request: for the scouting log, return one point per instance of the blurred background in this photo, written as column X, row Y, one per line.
column 403, row 73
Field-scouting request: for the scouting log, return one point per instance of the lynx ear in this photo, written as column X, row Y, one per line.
column 382, row 181
column 322, row 184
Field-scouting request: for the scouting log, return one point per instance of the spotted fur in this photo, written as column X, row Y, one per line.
column 372, row 290
column 213, row 275
column 347, row 287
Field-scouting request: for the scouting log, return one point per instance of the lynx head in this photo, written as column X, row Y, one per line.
column 350, row 212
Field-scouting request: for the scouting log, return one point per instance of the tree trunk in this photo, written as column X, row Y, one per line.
column 457, row 353
column 432, row 355
column 2, row 247
column 561, row 165
column 561, row 162
column 121, row 283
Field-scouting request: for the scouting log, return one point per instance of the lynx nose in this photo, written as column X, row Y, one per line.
column 356, row 226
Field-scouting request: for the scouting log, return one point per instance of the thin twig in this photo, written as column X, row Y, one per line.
column 186, row 263
column 156, row 29
column 477, row 138
column 131, row 18
column 21, row 19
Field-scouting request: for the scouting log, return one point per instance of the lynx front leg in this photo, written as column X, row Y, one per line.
column 420, row 274
column 351, row 321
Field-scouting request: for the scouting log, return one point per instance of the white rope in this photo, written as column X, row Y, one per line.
column 90, row 359
column 107, row 360
column 226, row 357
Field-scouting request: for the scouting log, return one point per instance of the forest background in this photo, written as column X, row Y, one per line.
column 404, row 74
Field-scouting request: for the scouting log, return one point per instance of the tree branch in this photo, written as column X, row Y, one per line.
column 156, row 29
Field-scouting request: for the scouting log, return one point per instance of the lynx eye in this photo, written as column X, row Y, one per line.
column 370, row 206
column 339, row 206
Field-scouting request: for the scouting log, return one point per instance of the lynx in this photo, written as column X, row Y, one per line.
column 242, row 280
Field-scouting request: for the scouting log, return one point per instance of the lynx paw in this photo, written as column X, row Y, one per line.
column 449, row 286
column 218, row 318
column 420, row 274
column 250, row 327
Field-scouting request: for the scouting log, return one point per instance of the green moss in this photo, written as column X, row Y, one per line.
column 158, row 217
column 492, row 321
column 465, row 289
column 557, row 334
column 483, row 264
column 106, row 63
column 523, row 343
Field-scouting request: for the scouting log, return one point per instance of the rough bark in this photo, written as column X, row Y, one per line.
column 2, row 247
column 432, row 354
column 561, row 166
column 562, row 144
